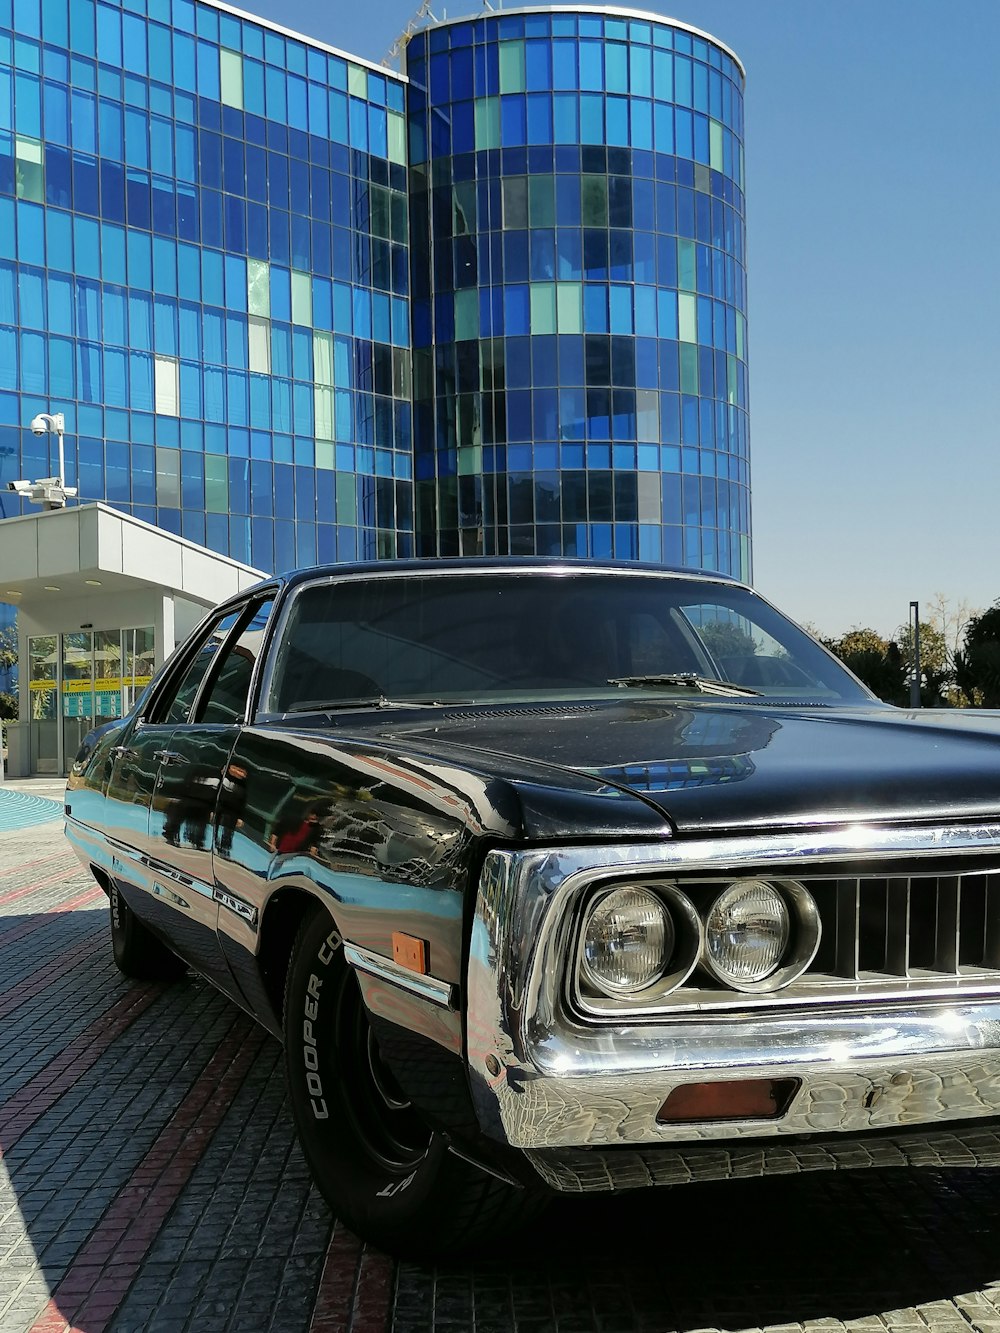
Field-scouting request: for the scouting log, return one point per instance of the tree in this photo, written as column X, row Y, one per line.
column 977, row 664
column 8, row 661
column 876, row 661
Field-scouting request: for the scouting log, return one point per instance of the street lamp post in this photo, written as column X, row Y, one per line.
column 915, row 678
column 49, row 492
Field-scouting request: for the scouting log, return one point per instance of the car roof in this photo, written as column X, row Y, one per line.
column 480, row 564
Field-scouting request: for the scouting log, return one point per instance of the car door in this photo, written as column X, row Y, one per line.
column 136, row 758
column 193, row 764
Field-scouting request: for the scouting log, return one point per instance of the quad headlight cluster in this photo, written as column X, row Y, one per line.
column 747, row 935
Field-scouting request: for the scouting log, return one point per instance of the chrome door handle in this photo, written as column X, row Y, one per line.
column 167, row 756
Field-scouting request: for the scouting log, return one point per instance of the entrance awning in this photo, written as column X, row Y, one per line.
column 92, row 550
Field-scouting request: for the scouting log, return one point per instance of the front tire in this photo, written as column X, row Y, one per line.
column 138, row 953
column 380, row 1168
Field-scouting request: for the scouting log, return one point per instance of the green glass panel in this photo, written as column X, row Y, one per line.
column 357, row 81
column 689, row 368
column 323, row 361
column 543, row 307
column 470, row 461
column 541, row 201
column 687, row 318
column 347, row 505
column 397, row 138
column 323, row 409
column 301, row 297
column 487, row 122
column 467, row 314
column 259, row 287
column 715, row 145
column 231, row 78
column 686, row 268
column 512, row 67
column 647, row 412
column 515, row 202
column 325, row 456
column 216, row 483
column 732, row 379
column 569, row 298
column 594, row 200
column 29, row 170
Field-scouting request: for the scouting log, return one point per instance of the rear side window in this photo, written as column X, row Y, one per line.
column 179, row 707
column 226, row 700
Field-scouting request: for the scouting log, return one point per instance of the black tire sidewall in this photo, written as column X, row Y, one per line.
column 122, row 931
column 376, row 1199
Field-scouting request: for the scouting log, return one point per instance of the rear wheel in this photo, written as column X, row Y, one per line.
column 381, row 1169
column 138, row 953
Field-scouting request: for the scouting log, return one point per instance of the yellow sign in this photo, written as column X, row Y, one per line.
column 42, row 685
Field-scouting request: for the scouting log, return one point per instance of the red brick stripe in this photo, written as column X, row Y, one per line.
column 28, row 889
column 354, row 1288
column 102, row 1272
column 36, row 922
column 43, row 977
column 30, row 1103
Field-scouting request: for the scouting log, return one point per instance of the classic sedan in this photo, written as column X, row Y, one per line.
column 554, row 876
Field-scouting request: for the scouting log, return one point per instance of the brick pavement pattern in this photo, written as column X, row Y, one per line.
column 150, row 1180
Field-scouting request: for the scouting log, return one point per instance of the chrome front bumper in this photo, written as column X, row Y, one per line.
column 546, row 1081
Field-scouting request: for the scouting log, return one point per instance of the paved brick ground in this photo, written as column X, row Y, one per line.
column 149, row 1180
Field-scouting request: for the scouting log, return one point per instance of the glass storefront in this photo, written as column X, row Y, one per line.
column 80, row 681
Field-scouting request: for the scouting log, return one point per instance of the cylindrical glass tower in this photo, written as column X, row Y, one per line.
column 578, row 288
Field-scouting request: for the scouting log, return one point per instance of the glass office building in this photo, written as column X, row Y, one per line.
column 203, row 263
column 222, row 245
column 578, row 289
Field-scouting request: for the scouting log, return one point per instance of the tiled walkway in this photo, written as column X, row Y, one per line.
column 150, row 1181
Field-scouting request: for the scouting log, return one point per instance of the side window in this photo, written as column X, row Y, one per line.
column 226, row 700
column 179, row 707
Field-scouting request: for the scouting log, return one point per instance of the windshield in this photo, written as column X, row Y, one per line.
column 483, row 637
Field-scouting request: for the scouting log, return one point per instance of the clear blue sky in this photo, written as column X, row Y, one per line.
column 873, row 214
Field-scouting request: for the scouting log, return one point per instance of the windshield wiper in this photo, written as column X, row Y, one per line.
column 374, row 701
column 688, row 680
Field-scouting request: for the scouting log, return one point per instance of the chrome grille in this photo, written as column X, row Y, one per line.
column 909, row 927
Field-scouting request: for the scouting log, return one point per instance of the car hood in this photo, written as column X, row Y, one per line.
column 711, row 766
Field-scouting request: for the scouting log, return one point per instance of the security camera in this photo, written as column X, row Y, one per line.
column 22, row 487
column 39, row 424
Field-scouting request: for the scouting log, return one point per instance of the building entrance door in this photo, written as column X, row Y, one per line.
column 79, row 681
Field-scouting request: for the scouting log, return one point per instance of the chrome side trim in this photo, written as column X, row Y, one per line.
column 441, row 993
column 543, row 1076
column 244, row 910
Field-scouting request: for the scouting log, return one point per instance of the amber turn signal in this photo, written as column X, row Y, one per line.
column 736, row 1099
column 409, row 952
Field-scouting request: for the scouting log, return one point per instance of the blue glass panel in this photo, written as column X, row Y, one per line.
column 591, row 119
column 56, row 99
column 617, row 121
column 591, row 56
column 184, row 62
column 114, row 311
column 161, row 65
column 30, row 233
column 140, row 321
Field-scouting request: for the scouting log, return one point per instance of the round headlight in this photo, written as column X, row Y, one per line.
column 747, row 932
column 628, row 941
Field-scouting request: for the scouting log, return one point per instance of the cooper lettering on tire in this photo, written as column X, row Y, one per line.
column 379, row 1166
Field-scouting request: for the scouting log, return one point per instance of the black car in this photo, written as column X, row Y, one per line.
column 560, row 876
